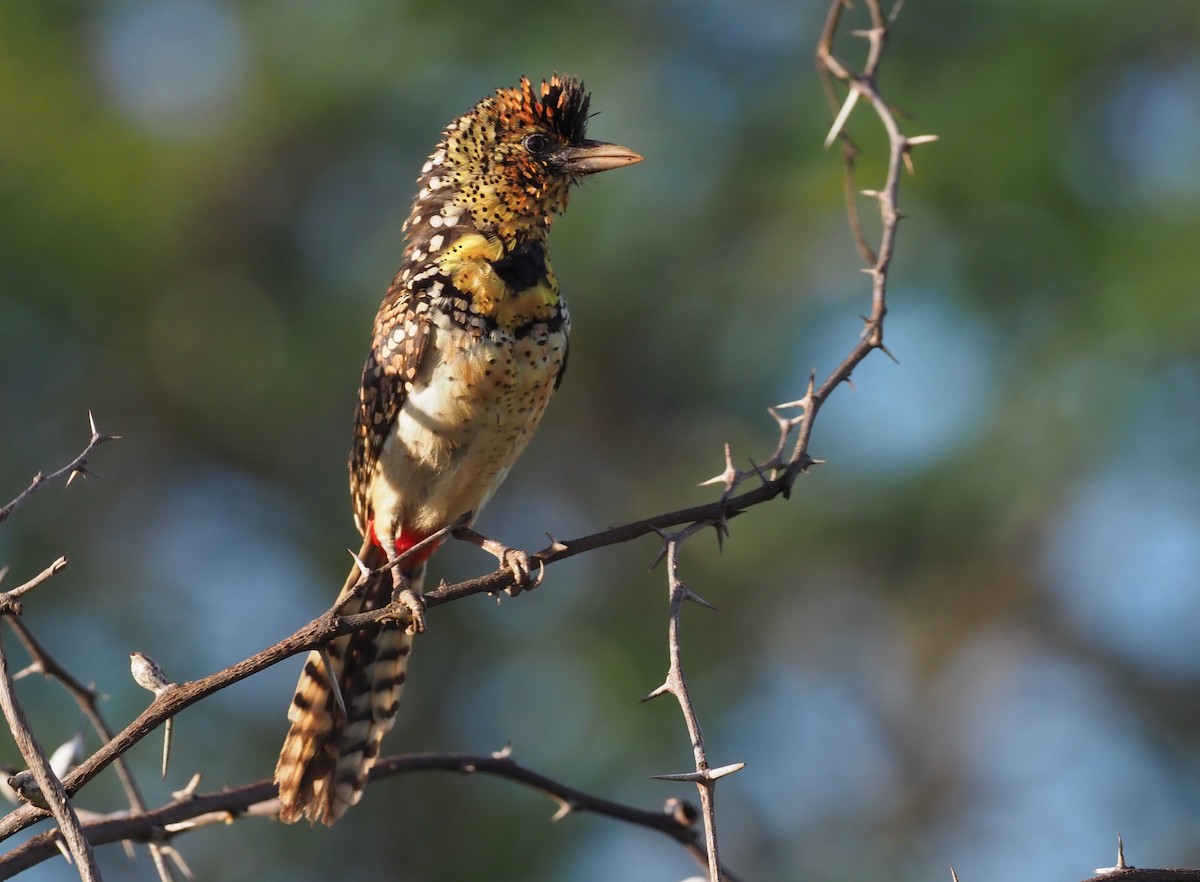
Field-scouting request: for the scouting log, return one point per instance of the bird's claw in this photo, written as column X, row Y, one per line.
column 415, row 604
column 521, row 565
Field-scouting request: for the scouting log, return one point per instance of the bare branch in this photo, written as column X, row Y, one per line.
column 704, row 777
column 48, row 786
column 192, row 811
column 10, row 600
column 77, row 466
column 86, row 698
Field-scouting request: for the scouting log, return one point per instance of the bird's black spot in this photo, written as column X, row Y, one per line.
column 523, row 267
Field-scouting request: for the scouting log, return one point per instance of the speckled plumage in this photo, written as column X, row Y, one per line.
column 468, row 346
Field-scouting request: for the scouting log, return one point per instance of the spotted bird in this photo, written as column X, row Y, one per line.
column 468, row 346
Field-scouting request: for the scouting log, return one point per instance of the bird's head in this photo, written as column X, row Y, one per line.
column 507, row 165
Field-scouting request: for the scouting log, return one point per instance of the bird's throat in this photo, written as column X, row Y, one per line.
column 512, row 287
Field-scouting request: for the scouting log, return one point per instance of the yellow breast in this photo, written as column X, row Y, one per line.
column 470, row 265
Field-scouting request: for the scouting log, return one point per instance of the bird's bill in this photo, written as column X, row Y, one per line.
column 597, row 156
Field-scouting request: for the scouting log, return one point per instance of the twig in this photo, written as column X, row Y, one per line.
column 51, row 788
column 77, row 466
column 704, row 777
column 10, row 600
column 192, row 811
column 85, row 697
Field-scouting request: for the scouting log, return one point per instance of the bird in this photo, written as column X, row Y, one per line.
column 468, row 346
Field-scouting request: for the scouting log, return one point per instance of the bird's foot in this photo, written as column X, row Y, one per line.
column 410, row 600
column 518, row 562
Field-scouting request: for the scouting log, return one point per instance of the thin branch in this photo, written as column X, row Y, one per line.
column 10, row 600
column 704, row 777
column 193, row 811
column 51, row 789
column 85, row 697
column 1141, row 874
column 77, row 466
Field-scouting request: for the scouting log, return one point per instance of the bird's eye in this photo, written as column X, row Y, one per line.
column 537, row 144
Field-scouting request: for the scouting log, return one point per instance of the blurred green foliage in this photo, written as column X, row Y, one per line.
column 974, row 632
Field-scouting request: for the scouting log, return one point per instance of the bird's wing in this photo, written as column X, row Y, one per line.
column 397, row 351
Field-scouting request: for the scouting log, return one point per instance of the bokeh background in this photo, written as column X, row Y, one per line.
column 972, row 638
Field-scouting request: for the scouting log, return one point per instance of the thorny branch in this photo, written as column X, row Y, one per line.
column 77, row 466
column 191, row 811
column 41, row 661
column 774, row 477
column 46, row 788
column 704, row 777
column 88, row 701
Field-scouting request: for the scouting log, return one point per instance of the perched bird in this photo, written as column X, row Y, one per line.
column 468, row 346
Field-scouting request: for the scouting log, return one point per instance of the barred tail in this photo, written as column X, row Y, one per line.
column 323, row 766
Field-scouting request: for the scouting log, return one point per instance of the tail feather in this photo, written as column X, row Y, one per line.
column 326, row 757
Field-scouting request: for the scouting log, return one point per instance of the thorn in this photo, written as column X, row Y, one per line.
column 363, row 569
column 721, row 526
column 564, row 808
column 62, row 849
column 874, row 194
column 689, row 777
column 953, row 875
column 556, row 547
column 656, row 692
column 3, row 573
column 714, row 774
column 503, row 753
column 178, row 860
column 728, row 477
column 843, row 114
column 918, row 140
column 168, row 731
column 67, row 756
column 887, row 352
column 662, row 553
column 92, row 424
column 31, row 668
column 688, row 594
column 908, row 162
column 189, row 789
column 1121, row 865
column 758, row 471
column 335, row 687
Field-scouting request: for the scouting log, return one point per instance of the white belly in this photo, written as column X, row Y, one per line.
column 467, row 418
